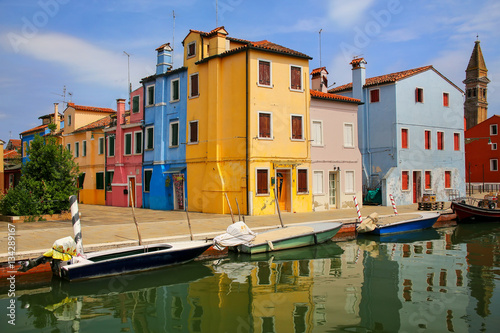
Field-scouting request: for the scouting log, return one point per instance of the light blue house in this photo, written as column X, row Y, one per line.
column 164, row 165
column 411, row 133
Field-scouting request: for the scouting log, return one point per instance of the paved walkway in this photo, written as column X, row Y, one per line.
column 107, row 227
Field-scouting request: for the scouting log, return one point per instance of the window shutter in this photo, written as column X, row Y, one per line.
column 264, row 73
column 135, row 104
column 175, row 90
column 194, row 85
column 128, row 144
column 456, row 141
column 427, row 140
column 404, row 138
column 404, row 180
column 296, row 127
column 427, row 180
column 296, row 78
column 446, row 99
column 193, row 131
column 447, row 179
column 174, row 132
column 302, row 180
column 262, row 182
column 264, row 125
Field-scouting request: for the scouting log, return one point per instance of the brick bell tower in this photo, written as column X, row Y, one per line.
column 476, row 103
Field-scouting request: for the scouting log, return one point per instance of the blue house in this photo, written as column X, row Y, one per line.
column 164, row 165
column 411, row 133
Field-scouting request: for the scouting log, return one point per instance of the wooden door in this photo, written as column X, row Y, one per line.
column 283, row 183
column 416, row 186
column 131, row 191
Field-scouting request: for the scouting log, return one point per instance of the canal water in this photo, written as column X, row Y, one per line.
column 438, row 280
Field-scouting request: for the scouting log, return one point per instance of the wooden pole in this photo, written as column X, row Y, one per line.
column 278, row 204
column 237, row 205
column 189, row 221
column 230, row 209
column 133, row 213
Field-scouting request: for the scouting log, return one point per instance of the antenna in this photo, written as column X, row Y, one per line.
column 63, row 95
column 129, row 85
column 173, row 38
column 216, row 13
column 320, row 47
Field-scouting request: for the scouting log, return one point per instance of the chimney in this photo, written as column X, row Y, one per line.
column 319, row 81
column 120, row 111
column 164, row 59
column 57, row 121
column 358, row 77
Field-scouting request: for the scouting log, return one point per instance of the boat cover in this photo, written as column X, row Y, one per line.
column 236, row 234
column 369, row 224
column 63, row 249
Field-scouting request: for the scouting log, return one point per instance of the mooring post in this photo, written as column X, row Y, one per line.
column 77, row 228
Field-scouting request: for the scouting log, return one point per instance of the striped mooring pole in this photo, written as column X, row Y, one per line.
column 393, row 204
column 77, row 228
column 357, row 210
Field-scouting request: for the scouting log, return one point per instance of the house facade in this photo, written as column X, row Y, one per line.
column 11, row 164
column 411, row 133
column 248, row 103
column 335, row 157
column 482, row 152
column 164, row 166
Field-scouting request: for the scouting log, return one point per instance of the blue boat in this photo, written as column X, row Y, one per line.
column 404, row 223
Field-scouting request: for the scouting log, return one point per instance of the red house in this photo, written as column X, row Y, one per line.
column 482, row 152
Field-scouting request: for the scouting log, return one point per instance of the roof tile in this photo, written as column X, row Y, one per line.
column 333, row 97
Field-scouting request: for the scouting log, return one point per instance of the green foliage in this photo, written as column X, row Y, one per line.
column 47, row 181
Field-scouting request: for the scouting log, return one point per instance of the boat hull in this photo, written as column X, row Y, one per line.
column 127, row 260
column 426, row 221
column 320, row 235
column 471, row 214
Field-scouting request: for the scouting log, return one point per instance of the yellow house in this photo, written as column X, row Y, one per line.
column 247, row 125
column 83, row 135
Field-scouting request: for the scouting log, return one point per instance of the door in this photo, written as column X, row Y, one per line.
column 417, row 188
column 131, row 191
column 178, row 191
column 332, row 189
column 283, row 183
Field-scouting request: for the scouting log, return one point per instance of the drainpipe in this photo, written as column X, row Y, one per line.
column 247, row 166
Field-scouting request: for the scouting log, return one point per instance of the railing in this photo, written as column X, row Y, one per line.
column 490, row 203
column 481, row 188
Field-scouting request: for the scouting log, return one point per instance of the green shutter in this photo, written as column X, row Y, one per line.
column 175, row 90
column 99, row 180
column 135, row 104
column 128, row 144
column 174, row 127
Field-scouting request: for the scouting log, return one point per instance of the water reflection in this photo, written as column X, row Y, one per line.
column 441, row 280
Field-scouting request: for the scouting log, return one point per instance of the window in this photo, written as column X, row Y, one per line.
column 68, row 147
column 149, row 138
column 135, row 104
column 147, row 179
column 428, row 180
column 191, row 49
column 317, row 133
column 99, row 180
column 264, row 73
column 349, row 182
column 419, row 95
column 440, row 140
column 77, row 149
column 318, row 182
column 193, row 131
column 456, row 141
column 446, row 99
column 494, row 164
column 138, row 143
column 262, row 181
column 81, row 180
column 109, row 180
column 297, row 129
column 295, row 78
column 427, row 142
column 302, row 181
column 265, row 125
column 128, row 144
column 374, row 95
column 348, row 135
column 493, row 129
column 174, row 134
column 151, row 95
column 193, row 79
column 100, row 149
column 111, row 146
column 405, row 180
column 69, row 120
column 447, row 179
column 174, row 90
column 404, row 138
column 84, row 148
column 493, row 146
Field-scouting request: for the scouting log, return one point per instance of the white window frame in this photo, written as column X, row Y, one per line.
column 344, row 127
column 100, row 148
column 409, row 181
column 84, row 148
column 346, row 182
column 268, row 183
column 430, row 172
column 197, row 132
column 437, row 140
column 459, row 141
column 270, row 73
column 271, row 125
column 447, row 93
column 407, row 137
column 147, row 95
column 187, row 50
column 109, row 145
column 493, row 164
column 135, row 146
column 291, row 127
column 301, row 78
column 125, row 144
column 297, row 182
column 316, row 190
column 68, row 147
column 190, row 84
column 493, row 146
column 69, row 120
column 178, row 80
column 144, row 177
column 423, row 99
column 313, row 133
column 495, row 126
column 138, row 103
column 146, row 139
column 170, row 137
column 77, row 149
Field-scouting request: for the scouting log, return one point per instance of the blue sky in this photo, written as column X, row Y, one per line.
column 48, row 44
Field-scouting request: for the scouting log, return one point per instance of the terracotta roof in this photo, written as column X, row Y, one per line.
column 388, row 78
column 165, row 46
column 35, row 129
column 333, row 97
column 101, row 123
column 11, row 154
column 356, row 61
column 266, row 45
column 90, row 108
column 317, row 71
column 15, row 143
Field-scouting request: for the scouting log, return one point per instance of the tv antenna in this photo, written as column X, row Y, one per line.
column 320, row 47
column 63, row 95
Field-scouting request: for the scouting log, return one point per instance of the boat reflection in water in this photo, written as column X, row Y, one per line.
column 444, row 281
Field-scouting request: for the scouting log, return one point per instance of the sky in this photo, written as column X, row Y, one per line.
column 55, row 51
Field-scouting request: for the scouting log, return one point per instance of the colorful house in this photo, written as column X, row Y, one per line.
column 335, row 157
column 83, row 134
column 411, row 132
column 164, row 165
column 482, row 153
column 124, row 169
column 11, row 164
column 248, row 125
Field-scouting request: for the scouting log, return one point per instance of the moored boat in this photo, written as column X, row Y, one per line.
column 468, row 211
column 403, row 223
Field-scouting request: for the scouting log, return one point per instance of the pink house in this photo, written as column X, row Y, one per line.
column 124, row 149
column 335, row 156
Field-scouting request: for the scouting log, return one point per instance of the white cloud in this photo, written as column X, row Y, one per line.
column 348, row 13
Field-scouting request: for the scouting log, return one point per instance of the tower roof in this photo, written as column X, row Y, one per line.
column 476, row 59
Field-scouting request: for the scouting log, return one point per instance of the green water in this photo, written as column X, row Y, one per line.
column 443, row 280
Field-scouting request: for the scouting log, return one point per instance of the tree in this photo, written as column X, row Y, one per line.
column 48, row 178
